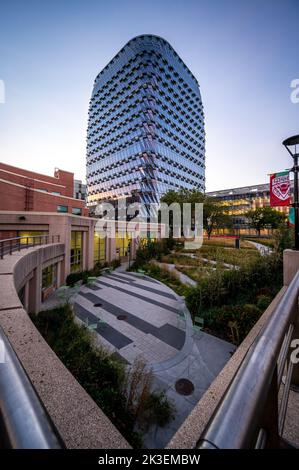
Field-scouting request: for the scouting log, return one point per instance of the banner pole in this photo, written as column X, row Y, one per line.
column 296, row 200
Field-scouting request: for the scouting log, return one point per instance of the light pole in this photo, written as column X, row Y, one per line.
column 129, row 253
column 209, row 222
column 293, row 142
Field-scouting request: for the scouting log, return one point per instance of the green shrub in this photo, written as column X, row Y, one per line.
column 226, row 287
column 158, row 409
column 73, row 278
column 115, row 263
column 103, row 375
column 167, row 276
column 243, row 317
column 152, row 250
column 99, row 374
column 97, row 269
column 225, row 296
column 263, row 301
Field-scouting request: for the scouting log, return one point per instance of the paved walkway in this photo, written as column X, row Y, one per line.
column 263, row 249
column 182, row 277
column 157, row 327
column 211, row 261
column 137, row 316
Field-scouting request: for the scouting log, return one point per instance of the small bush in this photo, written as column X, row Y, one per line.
column 123, row 395
column 158, row 409
column 115, row 263
column 233, row 295
column 97, row 269
column 152, row 250
column 242, row 317
column 167, row 276
column 263, row 301
column 73, row 278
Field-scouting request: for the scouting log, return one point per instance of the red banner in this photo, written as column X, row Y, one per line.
column 280, row 189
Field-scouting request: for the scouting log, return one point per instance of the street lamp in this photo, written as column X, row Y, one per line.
column 293, row 142
column 129, row 252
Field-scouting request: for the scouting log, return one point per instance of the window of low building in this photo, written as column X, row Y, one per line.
column 99, row 253
column 76, row 210
column 62, row 208
column 49, row 276
column 122, row 245
column 32, row 237
column 76, row 251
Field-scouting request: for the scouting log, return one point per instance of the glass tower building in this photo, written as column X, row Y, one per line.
column 146, row 126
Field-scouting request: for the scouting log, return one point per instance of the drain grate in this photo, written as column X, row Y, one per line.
column 122, row 317
column 98, row 304
column 184, row 387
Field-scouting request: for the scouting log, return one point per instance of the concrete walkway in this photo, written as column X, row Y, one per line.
column 263, row 249
column 156, row 326
column 211, row 261
column 136, row 316
column 182, row 277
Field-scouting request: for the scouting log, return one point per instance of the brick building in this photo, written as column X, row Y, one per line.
column 24, row 190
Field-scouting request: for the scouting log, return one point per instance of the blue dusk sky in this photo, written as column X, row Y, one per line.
column 244, row 54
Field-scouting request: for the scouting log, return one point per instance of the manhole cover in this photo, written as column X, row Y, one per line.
column 98, row 304
column 184, row 387
column 122, row 317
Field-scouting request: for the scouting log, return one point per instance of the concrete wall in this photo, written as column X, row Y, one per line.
column 290, row 265
column 78, row 419
column 56, row 225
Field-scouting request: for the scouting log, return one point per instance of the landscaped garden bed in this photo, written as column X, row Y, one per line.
column 123, row 393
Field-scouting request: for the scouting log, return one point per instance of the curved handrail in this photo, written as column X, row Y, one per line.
column 249, row 408
column 10, row 245
column 24, row 422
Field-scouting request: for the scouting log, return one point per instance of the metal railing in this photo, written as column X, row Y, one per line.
column 252, row 412
column 24, row 423
column 10, row 245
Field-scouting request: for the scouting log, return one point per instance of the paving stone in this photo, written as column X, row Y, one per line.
column 108, row 332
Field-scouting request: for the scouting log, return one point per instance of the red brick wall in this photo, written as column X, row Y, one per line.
column 4, row 234
column 18, row 198
column 62, row 182
column 67, row 179
column 13, row 198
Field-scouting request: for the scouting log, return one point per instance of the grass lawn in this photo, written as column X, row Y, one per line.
column 226, row 242
column 197, row 274
column 265, row 241
column 180, row 259
column 237, row 257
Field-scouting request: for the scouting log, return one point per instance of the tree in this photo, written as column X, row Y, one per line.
column 265, row 217
column 215, row 215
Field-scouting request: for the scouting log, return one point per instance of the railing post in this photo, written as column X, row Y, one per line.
column 295, row 336
column 270, row 420
column 2, row 249
column 10, row 247
column 27, row 242
column 19, row 244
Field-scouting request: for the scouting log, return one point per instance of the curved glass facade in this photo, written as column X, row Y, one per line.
column 146, row 126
